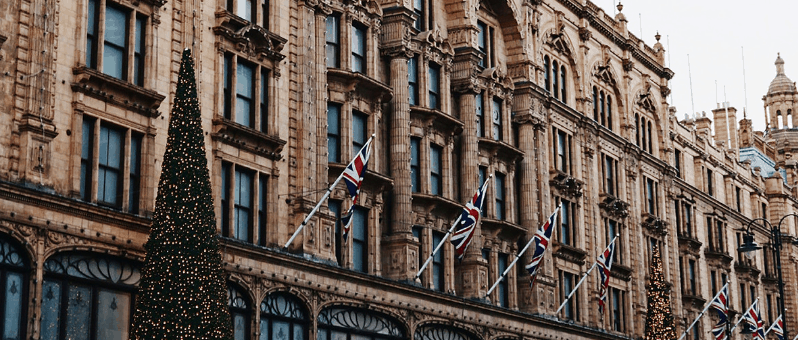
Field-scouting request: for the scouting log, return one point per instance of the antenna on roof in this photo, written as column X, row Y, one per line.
column 745, row 90
column 728, row 124
column 691, row 94
column 640, row 30
column 669, row 65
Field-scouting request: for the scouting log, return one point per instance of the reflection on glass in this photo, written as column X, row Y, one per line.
column 298, row 332
column 239, row 327
column 281, row 330
column 113, row 315
column 78, row 312
column 13, row 306
column 51, row 298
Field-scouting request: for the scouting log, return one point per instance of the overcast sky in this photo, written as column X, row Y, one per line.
column 715, row 33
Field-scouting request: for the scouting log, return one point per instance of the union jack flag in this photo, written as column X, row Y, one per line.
column 542, row 238
column 777, row 328
column 754, row 320
column 720, row 304
column 353, row 177
column 605, row 262
column 469, row 219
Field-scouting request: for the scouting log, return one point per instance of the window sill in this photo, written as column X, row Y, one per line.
column 621, row 272
column 116, row 91
column 570, row 253
column 613, row 206
column 566, row 185
column 689, row 241
column 501, row 149
column 746, row 268
column 693, row 301
column 246, row 34
column 437, row 204
column 247, row 138
column 372, row 179
column 360, row 83
column 432, row 115
column 505, row 229
column 714, row 254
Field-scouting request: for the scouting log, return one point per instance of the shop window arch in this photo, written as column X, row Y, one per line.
column 283, row 317
column 239, row 306
column 88, row 295
column 352, row 323
column 13, row 288
column 441, row 332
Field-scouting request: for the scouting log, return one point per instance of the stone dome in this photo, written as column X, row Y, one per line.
column 781, row 83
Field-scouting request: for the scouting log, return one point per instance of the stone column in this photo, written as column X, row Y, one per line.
column 529, row 210
column 400, row 259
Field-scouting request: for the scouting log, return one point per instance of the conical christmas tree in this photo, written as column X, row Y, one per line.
column 660, row 323
column 182, row 291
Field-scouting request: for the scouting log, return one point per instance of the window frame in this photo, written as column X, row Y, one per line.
column 333, row 132
column 436, row 169
column 332, row 49
column 21, row 270
column 563, row 157
column 503, row 286
column 567, row 234
column 259, row 99
column 133, row 67
column 437, row 263
column 434, row 86
column 415, row 164
column 362, row 263
column 359, row 47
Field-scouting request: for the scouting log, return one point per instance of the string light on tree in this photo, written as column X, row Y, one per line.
column 660, row 323
column 182, row 294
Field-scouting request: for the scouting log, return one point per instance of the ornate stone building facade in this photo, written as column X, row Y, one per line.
column 556, row 99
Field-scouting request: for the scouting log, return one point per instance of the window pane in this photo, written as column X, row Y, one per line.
column 281, row 330
column 358, row 49
column 240, row 323
column 138, row 57
column 479, row 115
column 134, row 173
column 115, row 34
column 412, row 81
column 298, row 332
column 433, row 86
column 51, row 303
column 13, row 308
column 358, row 132
column 110, row 192
column 244, row 94
column 435, row 170
column 500, row 196
column 496, row 119
column 112, row 313
column 245, row 9
column 78, row 312
column 332, row 46
column 564, row 226
column 333, row 132
column 359, row 233
column 264, row 329
column 90, row 57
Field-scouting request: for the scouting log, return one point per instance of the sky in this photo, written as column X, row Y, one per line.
column 716, row 35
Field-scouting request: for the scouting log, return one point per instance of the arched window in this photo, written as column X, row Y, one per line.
column 556, row 85
column 356, row 324
column 282, row 318
column 548, row 79
column 638, row 132
column 562, row 85
column 240, row 312
column 14, row 283
column 88, row 296
column 440, row 332
column 789, row 119
column 609, row 114
column 779, row 119
column 649, row 137
column 595, row 106
column 602, row 107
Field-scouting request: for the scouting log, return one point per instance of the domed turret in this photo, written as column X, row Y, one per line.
column 781, row 83
column 781, row 101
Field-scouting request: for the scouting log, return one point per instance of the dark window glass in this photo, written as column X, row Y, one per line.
column 438, row 263
column 225, row 195
column 692, row 278
column 563, row 89
column 243, row 205
column 264, row 109
column 134, row 173
column 334, row 207
column 687, row 219
column 332, row 41
column 482, row 176
column 618, row 317
column 110, row 164
column 649, row 137
column 503, row 286
column 433, row 87
column 419, row 11
column 609, row 114
column 678, row 162
column 413, row 81
column 497, row 131
column 435, row 169
column 358, row 131
column 88, row 126
column 567, row 224
column 139, row 49
column 482, row 44
column 240, row 313
column 115, row 42
column 567, row 283
column 650, row 197
column 638, row 131
column 92, row 34
column 358, row 48
column 555, row 79
column 282, row 318
column 360, row 239
column 479, row 115
column 333, row 132
column 415, row 171
column 262, row 228
column 500, row 196
column 739, row 199
column 547, row 72
column 595, row 104
column 227, row 64
column 609, row 167
column 602, row 107
column 562, row 151
column 244, row 93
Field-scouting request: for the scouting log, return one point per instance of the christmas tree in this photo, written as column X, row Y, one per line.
column 660, row 323
column 182, row 291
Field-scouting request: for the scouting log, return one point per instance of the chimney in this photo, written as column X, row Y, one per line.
column 725, row 126
column 704, row 127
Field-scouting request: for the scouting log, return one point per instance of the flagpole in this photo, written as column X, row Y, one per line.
column 704, row 311
column 500, row 278
column 773, row 324
column 743, row 316
column 581, row 280
column 438, row 248
column 325, row 196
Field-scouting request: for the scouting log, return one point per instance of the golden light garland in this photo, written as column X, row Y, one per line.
column 660, row 323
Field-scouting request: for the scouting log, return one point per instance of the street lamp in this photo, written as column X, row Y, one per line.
column 749, row 247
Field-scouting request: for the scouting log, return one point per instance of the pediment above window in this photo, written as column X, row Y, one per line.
column 247, row 138
column 248, row 37
column 613, row 206
column 566, row 185
column 116, row 91
column 558, row 41
column 654, row 224
column 604, row 74
column 644, row 99
column 435, row 47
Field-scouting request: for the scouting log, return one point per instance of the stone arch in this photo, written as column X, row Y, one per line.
column 242, row 285
column 560, row 42
column 444, row 330
column 15, row 240
column 331, row 313
column 297, row 294
column 647, row 101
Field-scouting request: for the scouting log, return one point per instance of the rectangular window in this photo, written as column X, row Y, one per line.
column 618, row 309
column 497, row 131
column 503, row 286
column 139, row 49
column 413, row 81
column 547, row 73
column 359, row 121
column 650, row 194
column 244, row 93
column 332, row 41
column 612, row 227
column 562, row 151
column 360, row 239
column 609, row 180
column 764, row 210
column 227, row 85
column 110, row 165
column 482, row 176
column 687, row 219
column 92, row 34
column 692, row 278
column 713, row 277
column 438, row 263
column 678, row 163
column 555, row 80
column 358, row 48
column 435, row 169
column 134, row 173
column 768, row 306
column 483, row 45
column 88, row 127
column 419, row 12
column 434, row 94
column 500, row 196
column 479, row 115
column 264, row 106
column 333, row 132
column 245, row 10
column 739, row 198
column 242, row 205
column 683, row 275
column 721, row 241
column 116, row 23
column 567, row 233
column 743, row 304
column 262, row 227
column 225, row 195
column 334, row 207
column 709, row 182
column 415, row 169
column 567, row 283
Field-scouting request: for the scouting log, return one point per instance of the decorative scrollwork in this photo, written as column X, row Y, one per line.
column 95, row 267
column 439, row 332
column 614, row 206
column 654, row 223
column 235, row 297
column 280, row 304
column 357, row 319
column 567, row 185
column 10, row 255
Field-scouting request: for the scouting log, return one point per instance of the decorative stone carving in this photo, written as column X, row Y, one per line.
column 645, row 98
column 613, row 206
column 654, row 224
column 567, row 185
